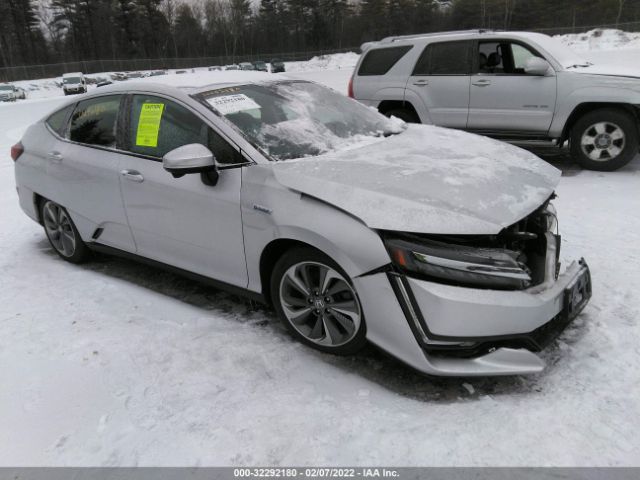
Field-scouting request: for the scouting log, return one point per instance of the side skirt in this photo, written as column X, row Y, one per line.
column 233, row 289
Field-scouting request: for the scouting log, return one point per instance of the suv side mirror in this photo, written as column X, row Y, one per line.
column 192, row 158
column 537, row 66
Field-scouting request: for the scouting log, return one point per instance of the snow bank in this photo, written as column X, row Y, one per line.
column 337, row 61
column 600, row 39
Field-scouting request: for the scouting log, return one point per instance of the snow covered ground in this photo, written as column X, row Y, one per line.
column 113, row 363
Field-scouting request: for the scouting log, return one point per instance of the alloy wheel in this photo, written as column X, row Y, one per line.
column 603, row 141
column 320, row 304
column 59, row 229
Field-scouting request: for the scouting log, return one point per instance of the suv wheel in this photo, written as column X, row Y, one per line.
column 62, row 233
column 604, row 140
column 317, row 303
column 403, row 114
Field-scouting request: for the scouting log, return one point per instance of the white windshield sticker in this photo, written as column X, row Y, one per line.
column 228, row 104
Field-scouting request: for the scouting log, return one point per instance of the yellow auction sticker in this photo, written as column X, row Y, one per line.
column 149, row 124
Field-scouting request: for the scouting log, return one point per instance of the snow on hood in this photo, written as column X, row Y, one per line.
column 427, row 180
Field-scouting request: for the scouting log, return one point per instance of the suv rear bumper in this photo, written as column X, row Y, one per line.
column 454, row 331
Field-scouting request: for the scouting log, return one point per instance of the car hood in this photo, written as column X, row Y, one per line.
column 427, row 180
column 612, row 70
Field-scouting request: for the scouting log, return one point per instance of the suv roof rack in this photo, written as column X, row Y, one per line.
column 433, row 34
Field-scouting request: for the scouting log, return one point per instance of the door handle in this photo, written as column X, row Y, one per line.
column 482, row 83
column 55, row 156
column 133, row 175
column 421, row 83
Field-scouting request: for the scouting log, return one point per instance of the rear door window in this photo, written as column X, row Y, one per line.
column 158, row 125
column 380, row 60
column 93, row 122
column 445, row 58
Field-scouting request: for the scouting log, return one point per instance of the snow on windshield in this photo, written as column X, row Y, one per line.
column 295, row 119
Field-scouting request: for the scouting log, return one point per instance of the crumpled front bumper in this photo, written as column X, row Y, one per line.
column 454, row 331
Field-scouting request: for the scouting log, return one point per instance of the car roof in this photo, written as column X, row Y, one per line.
column 72, row 74
column 190, row 83
column 453, row 35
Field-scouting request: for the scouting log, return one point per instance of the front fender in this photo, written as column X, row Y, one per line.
column 597, row 94
column 272, row 212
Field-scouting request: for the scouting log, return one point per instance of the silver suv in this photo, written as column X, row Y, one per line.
column 510, row 85
column 295, row 195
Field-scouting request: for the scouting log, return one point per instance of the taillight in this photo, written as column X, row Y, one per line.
column 350, row 88
column 16, row 151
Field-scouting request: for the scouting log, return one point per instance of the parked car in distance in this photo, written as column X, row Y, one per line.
column 346, row 221
column 180, row 72
column 7, row 93
column 119, row 76
column 73, row 83
column 11, row 93
column 246, row 66
column 21, row 93
column 516, row 86
column 157, row 73
column 232, row 67
column 104, row 83
column 260, row 66
column 215, row 68
column 131, row 75
column 277, row 66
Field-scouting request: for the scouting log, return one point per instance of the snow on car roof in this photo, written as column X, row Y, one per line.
column 192, row 82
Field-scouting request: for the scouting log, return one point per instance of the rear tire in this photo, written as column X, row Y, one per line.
column 604, row 140
column 317, row 303
column 62, row 233
column 404, row 114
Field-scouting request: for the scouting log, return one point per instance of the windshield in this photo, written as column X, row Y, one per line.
column 71, row 80
column 6, row 88
column 563, row 54
column 297, row 119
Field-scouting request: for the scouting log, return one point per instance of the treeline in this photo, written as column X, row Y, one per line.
column 51, row 31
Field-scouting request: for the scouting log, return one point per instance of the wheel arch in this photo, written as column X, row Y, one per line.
column 386, row 106
column 584, row 108
column 272, row 252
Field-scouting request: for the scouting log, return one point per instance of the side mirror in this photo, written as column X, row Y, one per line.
column 537, row 66
column 192, row 158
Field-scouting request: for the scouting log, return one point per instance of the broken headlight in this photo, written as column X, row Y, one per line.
column 462, row 265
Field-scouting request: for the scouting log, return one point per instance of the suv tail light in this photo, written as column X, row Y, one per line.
column 16, row 151
column 350, row 88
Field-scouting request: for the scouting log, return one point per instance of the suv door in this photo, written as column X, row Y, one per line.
column 441, row 79
column 504, row 98
column 181, row 221
column 83, row 167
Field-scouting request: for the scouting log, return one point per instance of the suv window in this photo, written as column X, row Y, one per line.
column 445, row 58
column 158, row 125
column 504, row 58
column 380, row 60
column 57, row 121
column 94, row 121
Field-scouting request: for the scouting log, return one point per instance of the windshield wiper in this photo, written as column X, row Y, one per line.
column 580, row 65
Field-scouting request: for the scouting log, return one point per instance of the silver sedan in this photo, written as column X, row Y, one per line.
column 437, row 246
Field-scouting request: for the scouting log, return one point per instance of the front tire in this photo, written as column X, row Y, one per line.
column 316, row 301
column 62, row 233
column 604, row 140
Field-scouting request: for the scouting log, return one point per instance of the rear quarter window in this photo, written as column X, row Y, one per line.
column 380, row 60
column 58, row 121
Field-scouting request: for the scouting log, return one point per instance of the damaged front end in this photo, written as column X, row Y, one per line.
column 469, row 296
column 524, row 255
